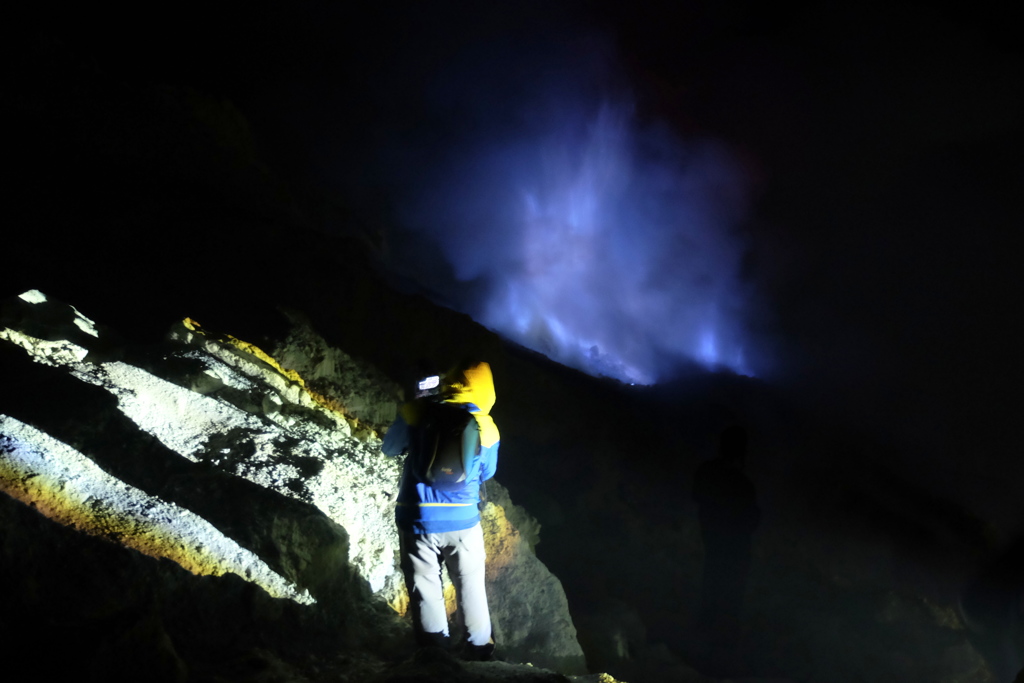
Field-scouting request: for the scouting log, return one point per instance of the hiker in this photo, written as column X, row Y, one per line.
column 437, row 513
column 728, row 514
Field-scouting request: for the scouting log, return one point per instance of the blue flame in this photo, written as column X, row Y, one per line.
column 605, row 244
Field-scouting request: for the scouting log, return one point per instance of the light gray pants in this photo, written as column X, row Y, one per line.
column 463, row 553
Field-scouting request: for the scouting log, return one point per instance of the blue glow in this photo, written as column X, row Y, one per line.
column 708, row 348
column 608, row 245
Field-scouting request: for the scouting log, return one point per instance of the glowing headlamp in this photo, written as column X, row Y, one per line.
column 428, row 386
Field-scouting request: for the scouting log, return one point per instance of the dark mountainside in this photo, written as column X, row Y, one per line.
column 141, row 206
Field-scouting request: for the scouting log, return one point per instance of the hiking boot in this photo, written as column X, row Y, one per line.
column 478, row 653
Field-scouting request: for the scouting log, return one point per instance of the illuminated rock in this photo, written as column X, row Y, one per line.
column 213, row 454
column 524, row 593
column 69, row 488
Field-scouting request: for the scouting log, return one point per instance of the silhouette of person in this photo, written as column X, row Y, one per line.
column 992, row 607
column 728, row 514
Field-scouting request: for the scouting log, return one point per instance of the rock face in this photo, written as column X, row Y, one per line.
column 226, row 461
column 529, row 593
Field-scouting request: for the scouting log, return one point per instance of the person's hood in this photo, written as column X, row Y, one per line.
column 474, row 385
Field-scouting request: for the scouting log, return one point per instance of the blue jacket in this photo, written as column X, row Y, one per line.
column 423, row 509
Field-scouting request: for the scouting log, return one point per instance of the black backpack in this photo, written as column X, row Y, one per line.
column 446, row 446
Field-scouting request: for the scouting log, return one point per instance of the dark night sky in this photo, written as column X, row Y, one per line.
column 883, row 144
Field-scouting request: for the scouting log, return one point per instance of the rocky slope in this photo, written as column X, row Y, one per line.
column 198, row 506
column 207, row 452
column 144, row 206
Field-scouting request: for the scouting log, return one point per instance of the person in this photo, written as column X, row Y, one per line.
column 728, row 515
column 438, row 527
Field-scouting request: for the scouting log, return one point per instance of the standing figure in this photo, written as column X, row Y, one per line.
column 728, row 514
column 452, row 447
